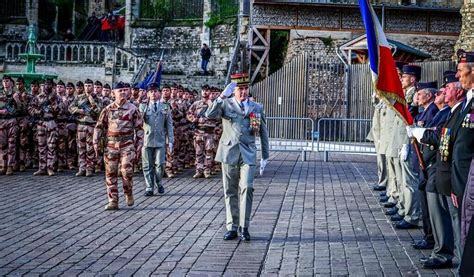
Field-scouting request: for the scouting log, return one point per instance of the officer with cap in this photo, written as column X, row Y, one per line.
column 9, row 106
column 158, row 127
column 243, row 121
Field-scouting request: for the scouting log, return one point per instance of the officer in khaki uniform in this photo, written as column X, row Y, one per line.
column 158, row 127
column 242, row 121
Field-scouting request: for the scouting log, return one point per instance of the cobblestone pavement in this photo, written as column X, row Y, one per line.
column 310, row 218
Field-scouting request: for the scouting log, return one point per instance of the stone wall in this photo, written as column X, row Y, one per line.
column 439, row 49
column 182, row 47
column 466, row 38
column 405, row 20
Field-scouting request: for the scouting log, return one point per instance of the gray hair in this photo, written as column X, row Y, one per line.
column 431, row 91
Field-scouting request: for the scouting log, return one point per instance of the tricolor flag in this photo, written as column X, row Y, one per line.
column 384, row 73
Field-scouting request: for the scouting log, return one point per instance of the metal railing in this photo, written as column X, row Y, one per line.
column 301, row 129
column 346, row 135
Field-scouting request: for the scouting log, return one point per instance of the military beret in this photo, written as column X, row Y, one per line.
column 35, row 82
column 107, row 86
column 465, row 56
column 424, row 85
column 49, row 81
column 413, row 70
column 240, row 78
column 400, row 64
column 61, row 83
column 98, row 83
column 70, row 85
column 153, row 86
column 206, row 87
column 126, row 85
column 88, row 81
column 80, row 84
column 166, row 86
column 20, row 80
column 174, row 85
column 449, row 78
column 135, row 86
column 119, row 85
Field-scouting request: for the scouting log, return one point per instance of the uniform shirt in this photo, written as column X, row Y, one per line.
column 120, row 121
column 91, row 106
column 45, row 106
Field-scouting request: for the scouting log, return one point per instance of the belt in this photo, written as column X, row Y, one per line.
column 47, row 119
column 120, row 138
column 86, row 123
column 200, row 128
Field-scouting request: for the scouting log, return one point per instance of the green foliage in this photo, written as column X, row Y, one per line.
column 278, row 48
column 157, row 9
column 213, row 21
column 328, row 42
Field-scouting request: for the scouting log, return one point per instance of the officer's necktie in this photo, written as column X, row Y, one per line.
column 156, row 107
column 242, row 108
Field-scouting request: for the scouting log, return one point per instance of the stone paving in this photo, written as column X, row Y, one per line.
column 309, row 218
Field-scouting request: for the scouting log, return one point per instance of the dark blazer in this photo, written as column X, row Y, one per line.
column 463, row 149
column 424, row 118
column 429, row 151
column 467, row 266
column 443, row 168
column 467, row 212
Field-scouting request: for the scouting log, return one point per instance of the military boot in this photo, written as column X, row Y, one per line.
column 81, row 173
column 169, row 174
column 198, row 175
column 129, row 199
column 51, row 172
column 9, row 171
column 111, row 206
column 22, row 168
column 39, row 173
column 2, row 171
column 89, row 173
column 207, row 175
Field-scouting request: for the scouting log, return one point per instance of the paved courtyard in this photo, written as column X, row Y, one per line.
column 309, row 218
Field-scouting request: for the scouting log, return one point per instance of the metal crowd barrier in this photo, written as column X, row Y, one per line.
column 343, row 135
column 291, row 134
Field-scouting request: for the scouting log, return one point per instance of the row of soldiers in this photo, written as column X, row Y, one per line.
column 51, row 126
column 423, row 169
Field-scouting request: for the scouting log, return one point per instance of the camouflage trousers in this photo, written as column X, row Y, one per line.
column 23, row 131
column 189, row 148
column 100, row 158
column 71, row 145
column 85, row 147
column 172, row 159
column 8, row 134
column 122, row 153
column 32, row 153
column 47, row 136
column 204, row 145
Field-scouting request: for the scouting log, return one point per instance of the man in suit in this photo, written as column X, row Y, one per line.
column 158, row 127
column 443, row 215
column 242, row 121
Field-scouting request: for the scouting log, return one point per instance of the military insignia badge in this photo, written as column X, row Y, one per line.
column 444, row 143
column 255, row 122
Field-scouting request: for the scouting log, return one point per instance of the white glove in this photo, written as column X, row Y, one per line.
column 229, row 89
column 418, row 133
column 410, row 131
column 170, row 147
column 263, row 164
column 404, row 152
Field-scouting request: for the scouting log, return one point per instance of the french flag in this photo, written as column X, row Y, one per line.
column 384, row 73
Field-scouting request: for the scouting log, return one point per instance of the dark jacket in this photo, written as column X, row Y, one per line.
column 443, row 167
column 467, row 265
column 463, row 148
column 429, row 151
column 206, row 53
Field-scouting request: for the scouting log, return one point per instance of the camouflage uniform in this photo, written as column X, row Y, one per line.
column 136, row 101
column 23, row 130
column 46, row 106
column 173, row 160
column 217, row 136
column 204, row 140
column 123, row 126
column 68, row 139
column 90, row 106
column 8, row 131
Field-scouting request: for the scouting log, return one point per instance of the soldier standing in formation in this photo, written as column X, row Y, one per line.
column 9, row 106
column 158, row 127
column 86, row 107
column 204, row 143
column 46, row 106
column 122, row 123
column 23, row 125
